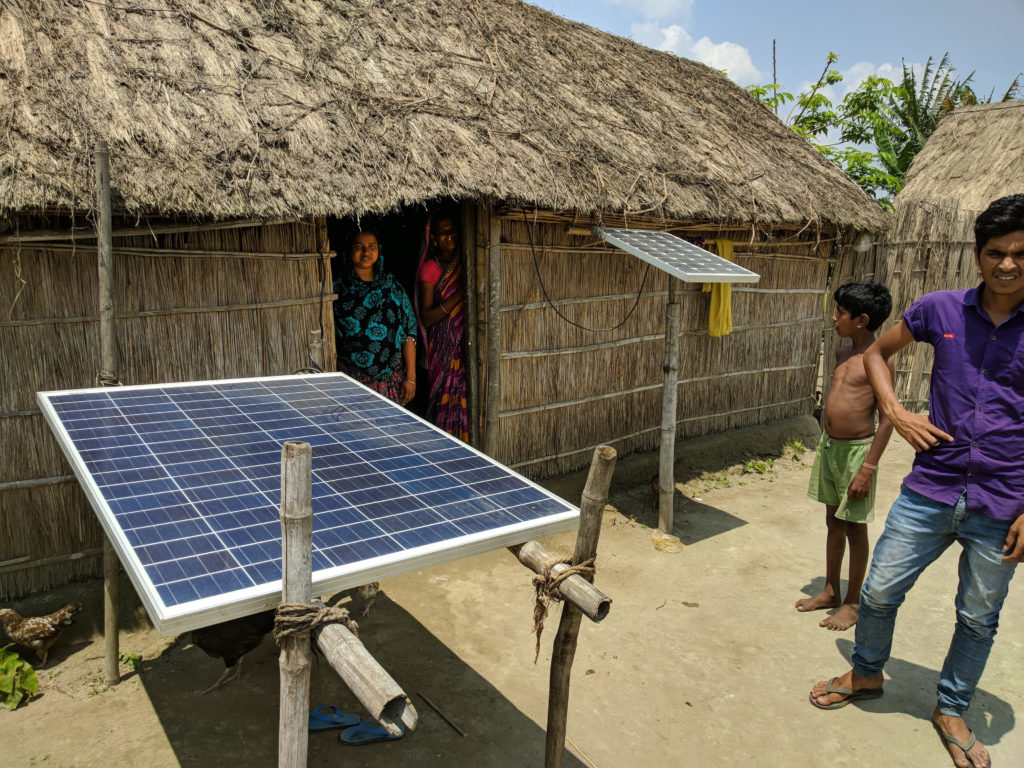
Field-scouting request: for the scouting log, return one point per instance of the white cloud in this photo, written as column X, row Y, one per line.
column 678, row 10
column 860, row 72
column 731, row 57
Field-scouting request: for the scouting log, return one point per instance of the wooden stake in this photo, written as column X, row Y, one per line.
column 595, row 494
column 591, row 601
column 669, row 397
column 493, row 332
column 297, row 573
column 108, row 364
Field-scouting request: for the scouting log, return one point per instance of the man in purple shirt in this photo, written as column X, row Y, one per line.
column 967, row 483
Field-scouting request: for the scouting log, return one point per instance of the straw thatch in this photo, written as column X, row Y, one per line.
column 974, row 157
column 259, row 109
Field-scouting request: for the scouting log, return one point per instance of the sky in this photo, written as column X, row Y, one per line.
column 870, row 36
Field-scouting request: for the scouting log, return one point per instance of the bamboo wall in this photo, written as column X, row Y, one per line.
column 190, row 305
column 564, row 390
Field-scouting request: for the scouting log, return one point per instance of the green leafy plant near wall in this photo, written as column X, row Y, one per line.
column 17, row 679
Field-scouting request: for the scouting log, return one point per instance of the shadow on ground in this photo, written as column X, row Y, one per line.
column 910, row 689
column 212, row 730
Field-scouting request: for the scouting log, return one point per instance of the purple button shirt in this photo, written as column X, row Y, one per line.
column 977, row 396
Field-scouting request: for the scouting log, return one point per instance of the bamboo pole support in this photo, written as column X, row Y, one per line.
column 669, row 397
column 376, row 690
column 595, row 494
column 108, row 365
column 471, row 347
column 493, row 332
column 592, row 602
column 297, row 572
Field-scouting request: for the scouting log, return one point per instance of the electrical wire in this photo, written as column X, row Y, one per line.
column 536, row 266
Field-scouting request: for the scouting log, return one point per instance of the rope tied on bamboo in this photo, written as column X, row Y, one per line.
column 547, row 583
column 295, row 618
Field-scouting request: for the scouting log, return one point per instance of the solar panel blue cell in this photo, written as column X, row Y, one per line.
column 188, row 477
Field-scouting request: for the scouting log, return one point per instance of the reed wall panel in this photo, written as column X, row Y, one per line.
column 178, row 318
column 565, row 389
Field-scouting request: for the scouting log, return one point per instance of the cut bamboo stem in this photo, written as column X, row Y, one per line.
column 670, row 396
column 595, row 494
column 591, row 601
column 472, row 349
column 376, row 690
column 297, row 572
column 108, row 364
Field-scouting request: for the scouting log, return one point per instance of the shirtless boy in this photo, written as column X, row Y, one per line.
column 843, row 477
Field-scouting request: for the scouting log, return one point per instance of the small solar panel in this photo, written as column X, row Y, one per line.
column 672, row 254
column 186, row 482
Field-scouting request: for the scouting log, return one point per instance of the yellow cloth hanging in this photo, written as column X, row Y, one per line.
column 720, row 309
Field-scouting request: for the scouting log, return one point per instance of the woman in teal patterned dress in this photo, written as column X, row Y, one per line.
column 375, row 323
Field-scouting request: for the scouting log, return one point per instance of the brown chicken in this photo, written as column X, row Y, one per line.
column 368, row 593
column 38, row 632
column 231, row 640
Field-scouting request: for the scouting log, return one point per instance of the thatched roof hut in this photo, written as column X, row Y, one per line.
column 974, row 157
column 235, row 128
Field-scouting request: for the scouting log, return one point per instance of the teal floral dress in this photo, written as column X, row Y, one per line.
column 372, row 320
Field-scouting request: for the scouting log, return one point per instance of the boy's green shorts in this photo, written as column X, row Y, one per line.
column 835, row 464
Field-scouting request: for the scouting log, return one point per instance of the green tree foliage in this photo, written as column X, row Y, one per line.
column 878, row 128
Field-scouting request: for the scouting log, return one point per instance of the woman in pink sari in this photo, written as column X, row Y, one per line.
column 442, row 313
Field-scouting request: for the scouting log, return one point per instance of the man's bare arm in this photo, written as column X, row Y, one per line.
column 915, row 428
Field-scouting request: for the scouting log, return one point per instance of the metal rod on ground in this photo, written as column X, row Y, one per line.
column 493, row 331
column 297, row 573
column 108, row 366
column 666, row 460
column 595, row 494
column 591, row 601
column 366, row 678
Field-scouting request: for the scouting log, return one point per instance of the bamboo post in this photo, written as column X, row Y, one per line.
column 670, row 391
column 471, row 350
column 592, row 602
column 595, row 494
column 366, row 678
column 108, row 366
column 493, row 332
column 297, row 587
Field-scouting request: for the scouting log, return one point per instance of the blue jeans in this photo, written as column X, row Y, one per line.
column 917, row 531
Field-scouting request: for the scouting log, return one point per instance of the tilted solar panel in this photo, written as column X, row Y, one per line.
column 672, row 254
column 186, row 481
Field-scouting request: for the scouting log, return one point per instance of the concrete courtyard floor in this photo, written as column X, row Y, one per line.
column 702, row 661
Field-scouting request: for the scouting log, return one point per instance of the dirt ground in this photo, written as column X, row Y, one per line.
column 702, row 661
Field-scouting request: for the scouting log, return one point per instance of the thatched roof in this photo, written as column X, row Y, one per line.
column 975, row 156
column 237, row 108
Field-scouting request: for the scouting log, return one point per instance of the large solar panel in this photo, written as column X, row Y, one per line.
column 186, row 482
column 672, row 254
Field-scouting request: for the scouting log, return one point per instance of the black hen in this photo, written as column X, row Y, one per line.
column 231, row 640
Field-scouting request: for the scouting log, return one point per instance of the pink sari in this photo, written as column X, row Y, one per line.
column 446, row 370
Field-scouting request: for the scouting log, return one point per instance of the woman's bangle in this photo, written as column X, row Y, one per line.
column 411, row 381
column 443, row 309
column 869, row 466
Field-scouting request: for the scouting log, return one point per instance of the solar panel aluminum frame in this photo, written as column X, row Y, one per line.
column 724, row 271
column 171, row 620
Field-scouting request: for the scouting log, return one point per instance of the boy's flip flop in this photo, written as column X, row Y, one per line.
column 368, row 732
column 326, row 717
column 851, row 696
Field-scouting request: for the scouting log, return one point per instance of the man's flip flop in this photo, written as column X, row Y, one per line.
column 326, row 717
column 368, row 732
column 954, row 740
column 851, row 696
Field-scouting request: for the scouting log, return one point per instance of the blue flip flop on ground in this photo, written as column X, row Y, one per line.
column 327, row 717
column 368, row 732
